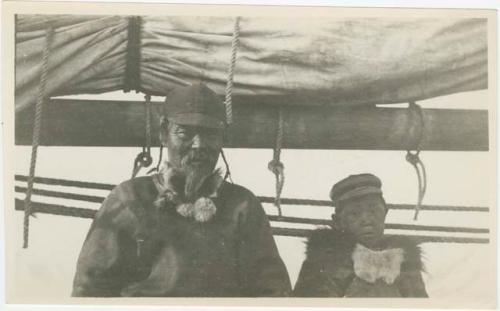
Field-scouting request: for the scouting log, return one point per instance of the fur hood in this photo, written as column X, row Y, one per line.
column 333, row 245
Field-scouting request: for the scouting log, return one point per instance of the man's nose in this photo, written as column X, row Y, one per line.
column 199, row 141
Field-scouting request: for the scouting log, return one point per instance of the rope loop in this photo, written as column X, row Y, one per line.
column 413, row 157
column 144, row 158
column 158, row 164
column 230, row 77
column 276, row 166
column 37, row 127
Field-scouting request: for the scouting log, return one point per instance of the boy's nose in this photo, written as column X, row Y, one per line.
column 365, row 218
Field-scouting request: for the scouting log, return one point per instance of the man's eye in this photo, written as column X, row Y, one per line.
column 182, row 132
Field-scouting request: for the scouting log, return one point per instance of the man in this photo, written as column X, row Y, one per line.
column 355, row 258
column 184, row 232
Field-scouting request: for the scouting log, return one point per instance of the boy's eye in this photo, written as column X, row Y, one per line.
column 353, row 214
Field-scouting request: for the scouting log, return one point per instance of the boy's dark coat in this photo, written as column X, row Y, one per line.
column 328, row 269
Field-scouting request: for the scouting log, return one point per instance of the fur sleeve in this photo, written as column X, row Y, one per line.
column 413, row 253
column 411, row 283
column 326, row 251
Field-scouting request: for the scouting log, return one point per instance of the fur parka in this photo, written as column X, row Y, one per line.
column 337, row 266
column 142, row 243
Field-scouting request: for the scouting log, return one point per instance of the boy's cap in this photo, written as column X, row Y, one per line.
column 355, row 186
column 195, row 105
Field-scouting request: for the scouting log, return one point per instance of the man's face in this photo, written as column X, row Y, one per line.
column 364, row 218
column 193, row 150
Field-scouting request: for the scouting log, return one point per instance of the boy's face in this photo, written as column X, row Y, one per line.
column 364, row 218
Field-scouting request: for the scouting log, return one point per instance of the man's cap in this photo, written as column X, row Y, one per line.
column 195, row 105
column 355, row 186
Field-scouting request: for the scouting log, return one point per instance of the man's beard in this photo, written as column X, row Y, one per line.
column 196, row 167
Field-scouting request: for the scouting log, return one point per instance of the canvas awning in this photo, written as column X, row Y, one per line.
column 334, row 61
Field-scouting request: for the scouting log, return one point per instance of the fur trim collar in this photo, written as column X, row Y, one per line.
column 169, row 183
column 397, row 254
column 370, row 265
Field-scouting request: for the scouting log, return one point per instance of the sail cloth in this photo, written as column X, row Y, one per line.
column 87, row 55
column 300, row 61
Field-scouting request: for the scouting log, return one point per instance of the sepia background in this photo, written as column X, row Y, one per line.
column 44, row 271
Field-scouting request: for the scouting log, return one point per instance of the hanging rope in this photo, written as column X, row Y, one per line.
column 158, row 164
column 160, row 158
column 275, row 165
column 229, row 85
column 416, row 162
column 41, row 97
column 147, row 99
column 144, row 158
column 228, row 172
column 414, row 159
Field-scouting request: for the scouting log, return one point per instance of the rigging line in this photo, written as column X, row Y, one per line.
column 262, row 199
column 228, row 172
column 275, row 165
column 230, row 77
column 414, row 159
column 37, row 126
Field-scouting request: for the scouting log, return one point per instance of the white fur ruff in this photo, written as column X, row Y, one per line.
column 185, row 209
column 370, row 265
column 202, row 210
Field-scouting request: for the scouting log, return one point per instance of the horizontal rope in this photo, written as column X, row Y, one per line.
column 289, row 201
column 62, row 210
column 263, row 199
column 292, row 232
column 63, row 195
column 449, row 208
column 328, row 222
column 436, row 228
column 55, row 209
column 326, row 203
column 67, row 183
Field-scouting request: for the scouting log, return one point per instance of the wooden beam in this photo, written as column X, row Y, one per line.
column 122, row 123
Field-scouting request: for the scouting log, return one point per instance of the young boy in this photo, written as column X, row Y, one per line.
column 355, row 258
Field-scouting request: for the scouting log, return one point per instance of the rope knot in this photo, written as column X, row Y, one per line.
column 413, row 158
column 276, row 166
